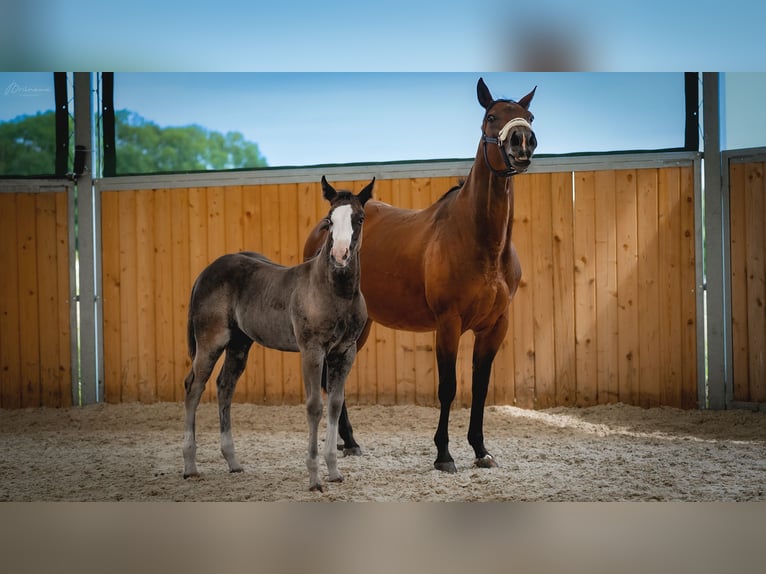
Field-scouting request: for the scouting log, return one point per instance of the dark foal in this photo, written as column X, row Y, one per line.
column 452, row 267
column 315, row 308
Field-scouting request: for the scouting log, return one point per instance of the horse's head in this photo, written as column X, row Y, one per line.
column 344, row 222
column 508, row 124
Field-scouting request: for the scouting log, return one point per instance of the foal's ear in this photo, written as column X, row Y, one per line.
column 366, row 193
column 328, row 191
column 485, row 98
column 526, row 100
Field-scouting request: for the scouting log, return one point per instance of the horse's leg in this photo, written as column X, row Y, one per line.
column 202, row 367
column 338, row 367
column 311, row 363
column 350, row 446
column 236, row 359
column 484, row 350
column 447, row 339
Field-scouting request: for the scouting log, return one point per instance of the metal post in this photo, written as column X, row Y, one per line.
column 89, row 383
column 716, row 251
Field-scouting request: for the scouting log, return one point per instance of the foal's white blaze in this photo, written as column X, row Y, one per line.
column 342, row 230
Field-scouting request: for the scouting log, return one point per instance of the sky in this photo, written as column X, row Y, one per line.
column 321, row 118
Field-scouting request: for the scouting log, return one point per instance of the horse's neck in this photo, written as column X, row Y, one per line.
column 491, row 202
column 345, row 282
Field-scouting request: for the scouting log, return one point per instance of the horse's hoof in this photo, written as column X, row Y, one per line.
column 316, row 488
column 487, row 461
column 353, row 451
column 191, row 475
column 338, row 478
column 233, row 470
column 448, row 466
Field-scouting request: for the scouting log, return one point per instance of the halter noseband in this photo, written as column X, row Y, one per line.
column 499, row 141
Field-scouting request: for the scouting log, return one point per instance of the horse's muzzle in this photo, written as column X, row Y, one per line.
column 521, row 146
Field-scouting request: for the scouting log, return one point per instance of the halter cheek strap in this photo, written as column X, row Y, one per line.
column 500, row 141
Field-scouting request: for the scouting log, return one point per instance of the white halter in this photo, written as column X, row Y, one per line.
column 515, row 122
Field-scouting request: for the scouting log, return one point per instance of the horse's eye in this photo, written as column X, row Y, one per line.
column 490, row 118
column 531, row 118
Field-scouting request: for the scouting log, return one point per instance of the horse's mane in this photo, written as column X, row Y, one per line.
column 452, row 190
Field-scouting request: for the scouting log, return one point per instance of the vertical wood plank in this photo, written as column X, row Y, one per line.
column 163, row 296
column 756, row 279
column 111, row 291
column 650, row 285
column 47, row 278
column 523, row 314
column 689, row 396
column 562, row 221
column 10, row 351
column 62, row 263
column 181, row 288
column 627, row 279
column 542, row 281
column 606, row 289
column 128, row 298
column 29, row 331
column 145, row 276
column 671, row 330
column 738, row 254
column 586, row 335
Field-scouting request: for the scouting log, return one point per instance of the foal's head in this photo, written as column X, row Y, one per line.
column 509, row 123
column 344, row 222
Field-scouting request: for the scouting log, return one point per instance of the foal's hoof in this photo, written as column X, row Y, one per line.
column 352, row 451
column 447, row 466
column 233, row 470
column 191, row 475
column 487, row 461
column 319, row 487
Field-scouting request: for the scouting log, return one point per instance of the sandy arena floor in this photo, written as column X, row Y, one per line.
column 132, row 452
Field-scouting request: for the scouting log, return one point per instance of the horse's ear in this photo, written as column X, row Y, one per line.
column 328, row 191
column 364, row 195
column 485, row 98
column 526, row 100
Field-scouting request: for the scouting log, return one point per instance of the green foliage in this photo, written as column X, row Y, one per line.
column 144, row 147
column 28, row 146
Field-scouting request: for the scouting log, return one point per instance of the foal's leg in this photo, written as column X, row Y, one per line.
column 311, row 363
column 350, row 446
column 484, row 350
column 236, row 359
column 202, row 366
column 338, row 367
column 447, row 339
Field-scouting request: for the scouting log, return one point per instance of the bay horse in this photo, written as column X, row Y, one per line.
column 315, row 308
column 451, row 267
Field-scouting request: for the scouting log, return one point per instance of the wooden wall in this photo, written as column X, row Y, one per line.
column 606, row 311
column 35, row 357
column 747, row 209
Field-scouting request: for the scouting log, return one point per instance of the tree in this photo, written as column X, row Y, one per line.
column 28, row 146
column 144, row 147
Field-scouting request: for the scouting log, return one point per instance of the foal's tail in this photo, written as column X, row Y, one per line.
column 191, row 340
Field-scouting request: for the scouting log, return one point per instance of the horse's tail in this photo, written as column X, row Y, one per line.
column 191, row 340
